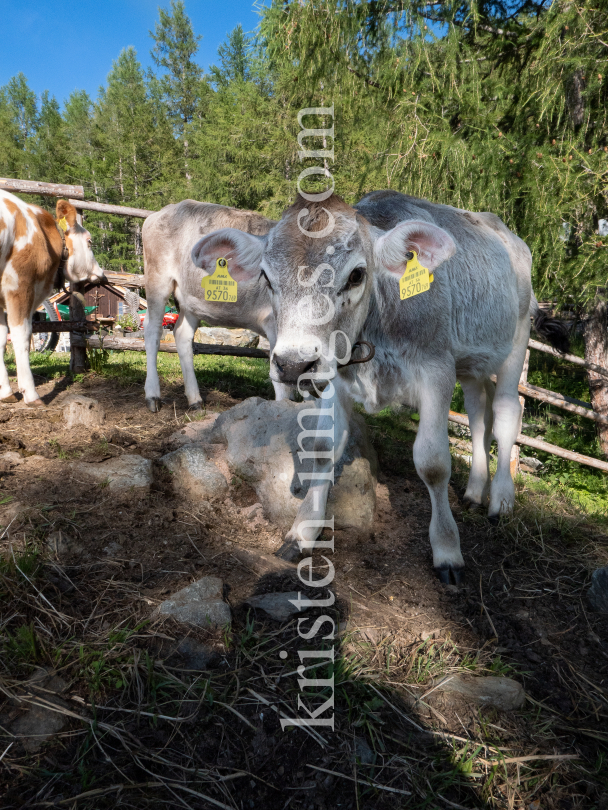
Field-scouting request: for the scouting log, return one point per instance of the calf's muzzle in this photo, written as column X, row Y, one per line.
column 287, row 368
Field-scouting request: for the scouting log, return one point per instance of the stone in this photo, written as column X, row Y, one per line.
column 37, row 723
column 13, row 516
column 277, row 605
column 597, row 595
column 261, row 440
column 12, row 458
column 59, row 544
column 194, row 432
column 199, row 604
column 362, row 753
column 531, row 462
column 81, row 410
column 218, row 336
column 128, row 473
column 195, row 654
column 502, row 693
column 194, row 476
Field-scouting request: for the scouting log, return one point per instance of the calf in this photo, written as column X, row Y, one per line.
column 333, row 275
column 170, row 266
column 34, row 250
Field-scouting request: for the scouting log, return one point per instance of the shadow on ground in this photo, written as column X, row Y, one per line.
column 148, row 721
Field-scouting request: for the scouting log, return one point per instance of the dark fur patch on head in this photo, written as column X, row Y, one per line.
column 317, row 219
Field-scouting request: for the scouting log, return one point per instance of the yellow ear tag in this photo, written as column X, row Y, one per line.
column 220, row 286
column 63, row 224
column 415, row 280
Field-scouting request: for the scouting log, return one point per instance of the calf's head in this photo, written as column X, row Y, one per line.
column 319, row 264
column 81, row 264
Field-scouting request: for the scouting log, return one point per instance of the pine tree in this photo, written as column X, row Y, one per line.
column 235, row 59
column 175, row 47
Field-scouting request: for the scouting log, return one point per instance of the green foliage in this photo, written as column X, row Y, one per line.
column 98, row 358
column 128, row 321
column 175, row 45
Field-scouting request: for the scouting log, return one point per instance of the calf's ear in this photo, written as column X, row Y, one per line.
column 242, row 250
column 66, row 210
column 432, row 244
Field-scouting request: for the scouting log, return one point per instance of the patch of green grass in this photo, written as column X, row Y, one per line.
column 393, row 433
column 238, row 376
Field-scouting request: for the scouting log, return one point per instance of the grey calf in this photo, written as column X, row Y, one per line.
column 168, row 237
column 332, row 269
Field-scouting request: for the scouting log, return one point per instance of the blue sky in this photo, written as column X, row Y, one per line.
column 66, row 46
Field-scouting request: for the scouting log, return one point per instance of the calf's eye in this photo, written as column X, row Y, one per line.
column 356, row 277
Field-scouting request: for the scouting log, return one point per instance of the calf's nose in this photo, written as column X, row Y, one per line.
column 288, row 368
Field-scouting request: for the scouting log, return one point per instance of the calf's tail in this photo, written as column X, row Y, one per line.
column 552, row 329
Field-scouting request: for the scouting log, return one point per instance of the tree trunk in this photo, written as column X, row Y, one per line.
column 596, row 351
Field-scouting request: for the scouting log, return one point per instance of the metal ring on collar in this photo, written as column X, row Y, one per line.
column 368, row 356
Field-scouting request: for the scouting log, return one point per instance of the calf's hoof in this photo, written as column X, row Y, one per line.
column 470, row 505
column 154, row 404
column 450, row 575
column 37, row 403
column 494, row 519
column 196, row 406
column 289, row 551
column 9, row 398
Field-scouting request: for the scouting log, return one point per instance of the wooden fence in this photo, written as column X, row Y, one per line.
column 79, row 341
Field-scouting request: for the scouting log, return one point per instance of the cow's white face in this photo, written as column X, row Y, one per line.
column 82, row 264
column 319, row 264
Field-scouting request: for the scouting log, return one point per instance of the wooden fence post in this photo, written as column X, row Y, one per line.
column 515, row 449
column 78, row 343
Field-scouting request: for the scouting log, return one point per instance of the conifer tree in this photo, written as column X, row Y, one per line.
column 235, row 59
column 174, row 50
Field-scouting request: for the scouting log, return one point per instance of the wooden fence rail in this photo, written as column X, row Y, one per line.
column 46, row 189
column 119, row 210
column 124, row 344
column 569, row 358
column 75, row 194
column 538, row 444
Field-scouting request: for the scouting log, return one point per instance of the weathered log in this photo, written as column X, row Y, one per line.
column 570, row 358
column 565, row 403
column 538, row 444
column 105, row 208
column 126, row 279
column 46, row 189
column 125, row 344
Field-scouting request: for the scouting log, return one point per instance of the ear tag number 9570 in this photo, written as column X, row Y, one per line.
column 415, row 280
column 220, row 287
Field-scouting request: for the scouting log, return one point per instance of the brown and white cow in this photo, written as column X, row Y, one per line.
column 31, row 252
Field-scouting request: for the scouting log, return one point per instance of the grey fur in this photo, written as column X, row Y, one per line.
column 473, row 322
column 168, row 238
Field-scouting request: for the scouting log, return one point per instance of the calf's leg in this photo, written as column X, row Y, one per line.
column 433, row 464
column 186, row 326
column 328, row 418
column 507, row 411
column 153, row 325
column 6, row 394
column 478, row 402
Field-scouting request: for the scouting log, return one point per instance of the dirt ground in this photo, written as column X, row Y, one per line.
column 522, row 612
